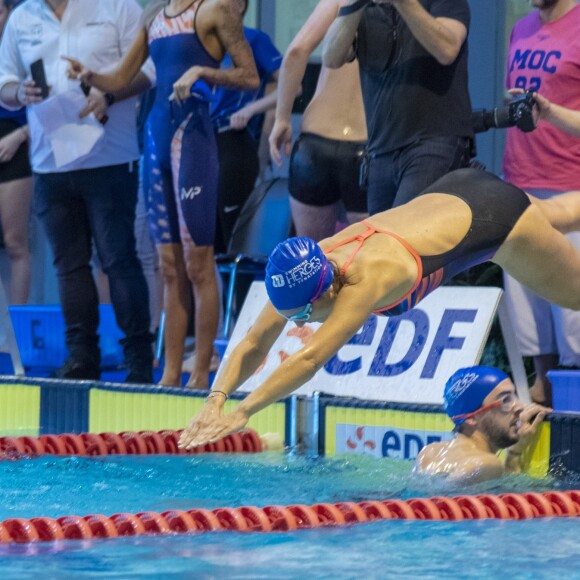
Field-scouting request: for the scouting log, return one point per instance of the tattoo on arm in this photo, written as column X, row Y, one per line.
column 230, row 32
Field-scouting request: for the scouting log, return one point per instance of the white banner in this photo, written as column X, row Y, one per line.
column 403, row 359
column 385, row 441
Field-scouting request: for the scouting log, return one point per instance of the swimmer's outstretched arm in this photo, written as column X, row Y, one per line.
column 250, row 353
column 350, row 311
column 122, row 77
column 240, row 365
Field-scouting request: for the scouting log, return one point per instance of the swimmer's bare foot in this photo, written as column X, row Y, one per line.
column 169, row 381
column 190, row 362
column 198, row 381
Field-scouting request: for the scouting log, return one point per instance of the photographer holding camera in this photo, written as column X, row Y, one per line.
column 409, row 52
column 544, row 58
column 519, row 113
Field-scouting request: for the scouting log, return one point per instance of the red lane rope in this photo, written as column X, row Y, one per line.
column 509, row 506
column 126, row 443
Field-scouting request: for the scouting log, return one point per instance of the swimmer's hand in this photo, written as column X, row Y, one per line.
column 182, row 86
column 530, row 420
column 240, row 119
column 211, row 425
column 280, row 137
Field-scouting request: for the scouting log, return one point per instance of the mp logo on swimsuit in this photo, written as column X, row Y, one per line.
column 278, row 281
column 304, row 271
column 460, row 386
column 191, row 192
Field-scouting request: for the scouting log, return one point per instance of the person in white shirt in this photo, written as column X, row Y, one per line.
column 91, row 198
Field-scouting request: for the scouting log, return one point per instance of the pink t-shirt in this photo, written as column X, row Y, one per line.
column 545, row 58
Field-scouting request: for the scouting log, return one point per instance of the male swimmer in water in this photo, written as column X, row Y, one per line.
column 386, row 265
column 488, row 417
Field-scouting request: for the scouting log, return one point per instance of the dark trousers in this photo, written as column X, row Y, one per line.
column 75, row 208
column 239, row 168
column 401, row 175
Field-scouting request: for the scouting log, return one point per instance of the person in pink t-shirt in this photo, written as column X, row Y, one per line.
column 544, row 56
column 566, row 119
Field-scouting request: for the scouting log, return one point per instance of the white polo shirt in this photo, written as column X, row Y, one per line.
column 97, row 33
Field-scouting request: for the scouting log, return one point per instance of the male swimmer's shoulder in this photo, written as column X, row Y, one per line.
column 478, row 468
column 427, row 461
column 457, row 465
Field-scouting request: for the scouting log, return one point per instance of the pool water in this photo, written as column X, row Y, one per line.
column 395, row 549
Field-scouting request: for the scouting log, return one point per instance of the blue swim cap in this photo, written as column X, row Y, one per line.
column 467, row 388
column 297, row 273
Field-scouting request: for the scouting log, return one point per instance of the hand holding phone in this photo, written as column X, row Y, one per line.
column 39, row 77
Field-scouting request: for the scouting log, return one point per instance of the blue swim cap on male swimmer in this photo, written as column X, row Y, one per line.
column 467, row 388
column 297, row 273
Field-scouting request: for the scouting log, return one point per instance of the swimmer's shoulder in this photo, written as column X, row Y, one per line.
column 444, row 459
column 429, row 453
column 479, row 467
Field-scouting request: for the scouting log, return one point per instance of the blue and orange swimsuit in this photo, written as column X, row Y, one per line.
column 495, row 207
column 180, row 160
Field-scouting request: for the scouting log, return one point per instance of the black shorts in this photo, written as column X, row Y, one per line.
column 324, row 171
column 19, row 166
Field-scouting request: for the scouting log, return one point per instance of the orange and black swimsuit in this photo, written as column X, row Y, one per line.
column 495, row 207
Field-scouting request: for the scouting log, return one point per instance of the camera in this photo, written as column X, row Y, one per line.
column 518, row 113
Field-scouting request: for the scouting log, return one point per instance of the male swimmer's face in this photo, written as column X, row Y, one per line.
column 501, row 424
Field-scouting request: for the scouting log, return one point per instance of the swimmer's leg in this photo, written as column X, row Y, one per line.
column 200, row 264
column 314, row 221
column 562, row 211
column 195, row 180
column 356, row 216
column 536, row 254
column 164, row 225
column 177, row 307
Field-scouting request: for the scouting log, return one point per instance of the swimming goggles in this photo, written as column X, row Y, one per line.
column 305, row 314
column 506, row 402
column 302, row 315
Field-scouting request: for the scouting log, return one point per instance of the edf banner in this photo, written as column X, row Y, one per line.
column 404, row 359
